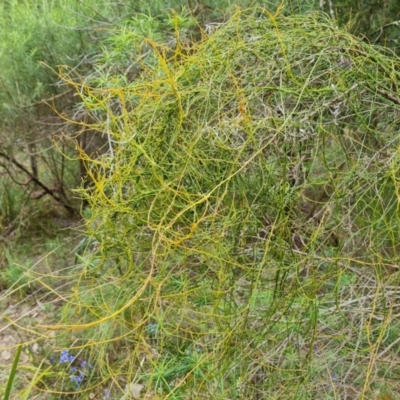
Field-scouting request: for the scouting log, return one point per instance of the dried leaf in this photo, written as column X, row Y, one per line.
column 134, row 390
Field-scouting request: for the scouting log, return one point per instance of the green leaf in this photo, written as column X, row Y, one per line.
column 13, row 372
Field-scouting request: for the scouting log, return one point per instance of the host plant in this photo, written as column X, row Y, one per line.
column 243, row 227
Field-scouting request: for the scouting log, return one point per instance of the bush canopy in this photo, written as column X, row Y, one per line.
column 244, row 224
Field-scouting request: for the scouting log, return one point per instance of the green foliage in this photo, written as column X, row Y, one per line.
column 242, row 227
column 12, row 373
column 12, row 201
column 33, row 38
column 37, row 37
column 15, row 277
column 100, row 39
column 244, row 220
column 374, row 20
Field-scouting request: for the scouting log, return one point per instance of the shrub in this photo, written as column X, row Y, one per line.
column 244, row 225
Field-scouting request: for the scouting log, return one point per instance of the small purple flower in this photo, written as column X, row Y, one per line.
column 66, row 358
column 77, row 380
column 107, row 394
column 84, row 364
column 77, row 374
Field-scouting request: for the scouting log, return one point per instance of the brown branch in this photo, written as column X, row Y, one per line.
column 11, row 176
column 44, row 101
column 33, row 178
column 380, row 30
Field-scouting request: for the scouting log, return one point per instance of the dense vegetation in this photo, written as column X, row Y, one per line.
column 199, row 203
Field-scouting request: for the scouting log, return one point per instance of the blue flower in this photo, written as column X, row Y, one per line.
column 66, row 357
column 77, row 380
column 77, row 373
column 84, row 364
